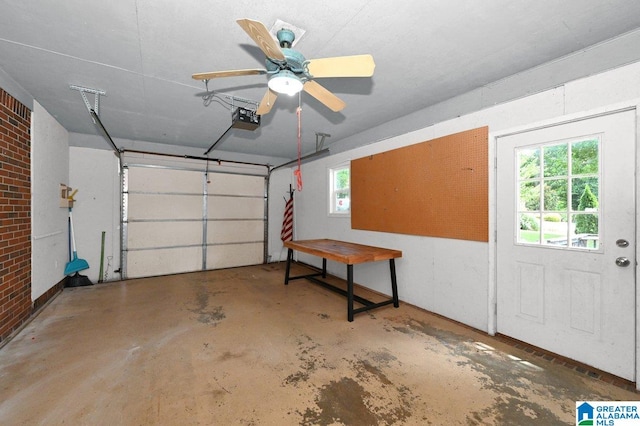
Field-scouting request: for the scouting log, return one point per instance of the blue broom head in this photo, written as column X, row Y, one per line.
column 75, row 265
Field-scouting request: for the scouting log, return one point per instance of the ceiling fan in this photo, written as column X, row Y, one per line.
column 289, row 71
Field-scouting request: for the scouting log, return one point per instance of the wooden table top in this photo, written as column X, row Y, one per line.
column 342, row 251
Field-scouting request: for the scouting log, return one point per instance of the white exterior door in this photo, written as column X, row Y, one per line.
column 566, row 240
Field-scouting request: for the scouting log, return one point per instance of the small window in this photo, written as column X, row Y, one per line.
column 339, row 190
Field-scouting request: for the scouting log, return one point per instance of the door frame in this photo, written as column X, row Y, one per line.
column 633, row 105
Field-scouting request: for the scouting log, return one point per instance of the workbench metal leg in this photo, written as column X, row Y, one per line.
column 350, row 293
column 394, row 283
column 324, row 267
column 289, row 259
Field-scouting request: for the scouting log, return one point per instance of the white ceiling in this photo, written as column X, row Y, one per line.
column 142, row 54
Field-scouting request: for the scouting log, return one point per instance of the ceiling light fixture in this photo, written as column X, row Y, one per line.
column 285, row 82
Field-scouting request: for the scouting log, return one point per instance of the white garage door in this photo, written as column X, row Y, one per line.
column 178, row 218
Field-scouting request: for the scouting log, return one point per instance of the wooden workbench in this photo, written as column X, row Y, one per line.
column 350, row 254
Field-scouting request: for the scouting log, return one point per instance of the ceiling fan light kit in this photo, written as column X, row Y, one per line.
column 285, row 82
column 288, row 70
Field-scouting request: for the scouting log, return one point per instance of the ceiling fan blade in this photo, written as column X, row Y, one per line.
column 342, row 66
column 262, row 37
column 267, row 102
column 230, row 73
column 333, row 102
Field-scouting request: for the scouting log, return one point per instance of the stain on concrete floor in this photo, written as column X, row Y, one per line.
column 341, row 401
column 207, row 314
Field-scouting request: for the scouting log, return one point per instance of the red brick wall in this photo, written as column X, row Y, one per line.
column 15, row 214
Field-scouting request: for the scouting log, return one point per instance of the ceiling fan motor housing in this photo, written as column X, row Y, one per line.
column 294, row 62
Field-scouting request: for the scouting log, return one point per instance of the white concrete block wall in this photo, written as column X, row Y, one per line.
column 49, row 168
column 95, row 173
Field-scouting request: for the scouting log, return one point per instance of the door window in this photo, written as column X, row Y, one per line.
column 558, row 194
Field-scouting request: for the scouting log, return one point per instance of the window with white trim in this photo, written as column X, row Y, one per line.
column 340, row 190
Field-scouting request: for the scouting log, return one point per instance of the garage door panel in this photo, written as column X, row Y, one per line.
column 235, row 207
column 164, row 234
column 143, row 179
column 231, row 255
column 164, row 206
column 145, row 263
column 228, row 231
column 164, row 223
column 229, row 184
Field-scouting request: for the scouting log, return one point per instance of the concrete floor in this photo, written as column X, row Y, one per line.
column 237, row 347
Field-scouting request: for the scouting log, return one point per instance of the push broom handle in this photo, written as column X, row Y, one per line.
column 73, row 238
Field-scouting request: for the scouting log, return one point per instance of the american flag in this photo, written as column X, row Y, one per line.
column 287, row 222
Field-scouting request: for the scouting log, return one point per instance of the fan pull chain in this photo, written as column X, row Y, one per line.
column 298, row 172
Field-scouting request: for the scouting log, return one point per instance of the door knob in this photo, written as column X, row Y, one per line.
column 623, row 261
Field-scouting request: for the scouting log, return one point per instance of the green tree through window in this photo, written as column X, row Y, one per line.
column 340, row 193
column 587, row 223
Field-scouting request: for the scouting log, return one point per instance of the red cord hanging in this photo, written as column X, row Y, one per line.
column 298, row 172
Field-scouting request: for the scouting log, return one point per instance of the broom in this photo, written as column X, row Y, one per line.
column 75, row 264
